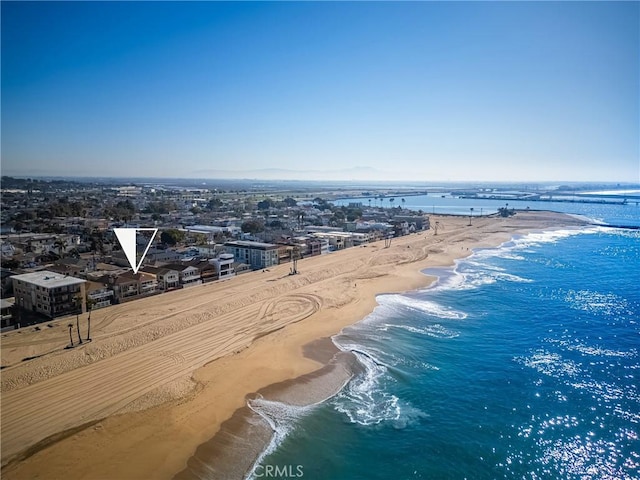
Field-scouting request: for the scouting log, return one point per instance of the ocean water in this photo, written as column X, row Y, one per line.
column 628, row 214
column 523, row 361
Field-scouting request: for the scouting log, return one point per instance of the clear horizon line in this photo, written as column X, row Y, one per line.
column 118, row 177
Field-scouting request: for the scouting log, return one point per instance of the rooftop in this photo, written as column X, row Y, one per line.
column 248, row 244
column 48, row 279
column 7, row 302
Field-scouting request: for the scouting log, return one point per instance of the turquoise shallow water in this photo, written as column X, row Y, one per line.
column 522, row 362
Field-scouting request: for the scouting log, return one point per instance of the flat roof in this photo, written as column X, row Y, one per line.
column 47, row 279
column 7, row 302
column 248, row 244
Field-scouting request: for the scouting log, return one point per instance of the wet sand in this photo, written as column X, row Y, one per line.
column 241, row 440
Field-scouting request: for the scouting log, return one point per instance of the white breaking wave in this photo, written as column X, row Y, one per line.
column 538, row 238
column 475, row 279
column 505, row 251
column 452, row 281
column 282, row 419
column 521, row 243
column 365, row 402
column 486, row 266
column 436, row 330
column 455, row 280
column 426, row 306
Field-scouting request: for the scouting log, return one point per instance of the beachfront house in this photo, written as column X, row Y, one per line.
column 187, row 274
column 130, row 286
column 336, row 240
column 206, row 269
column 168, row 279
column 100, row 294
column 224, row 265
column 256, row 254
column 6, row 312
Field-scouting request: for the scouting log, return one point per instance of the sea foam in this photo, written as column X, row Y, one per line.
column 365, row 401
column 281, row 417
column 426, row 306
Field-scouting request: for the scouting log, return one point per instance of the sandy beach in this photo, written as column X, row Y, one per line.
column 168, row 376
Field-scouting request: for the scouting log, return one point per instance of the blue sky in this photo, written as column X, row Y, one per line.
column 416, row 90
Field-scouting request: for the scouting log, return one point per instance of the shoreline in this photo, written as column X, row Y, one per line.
column 273, row 359
column 238, row 447
column 245, row 438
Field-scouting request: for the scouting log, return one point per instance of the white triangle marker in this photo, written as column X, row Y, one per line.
column 127, row 239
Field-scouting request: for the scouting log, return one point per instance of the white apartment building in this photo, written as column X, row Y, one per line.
column 51, row 294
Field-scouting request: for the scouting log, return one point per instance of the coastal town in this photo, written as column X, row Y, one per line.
column 60, row 256
column 319, row 240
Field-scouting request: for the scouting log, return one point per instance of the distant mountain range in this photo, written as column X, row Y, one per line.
column 353, row 173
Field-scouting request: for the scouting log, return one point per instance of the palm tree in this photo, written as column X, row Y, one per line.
column 391, row 200
column 470, row 215
column 97, row 240
column 70, row 336
column 78, row 302
column 90, row 303
column 61, row 245
column 403, row 200
column 369, row 203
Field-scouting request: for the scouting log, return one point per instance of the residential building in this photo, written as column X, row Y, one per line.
column 224, row 265
column 213, row 229
column 256, row 254
column 6, row 307
column 419, row 221
column 167, row 278
column 49, row 293
column 130, row 286
column 337, row 240
column 5, row 282
column 188, row 274
column 78, row 267
column 7, row 250
column 100, row 294
column 161, row 255
column 208, row 271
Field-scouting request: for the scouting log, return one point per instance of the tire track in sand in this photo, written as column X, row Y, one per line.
column 83, row 395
